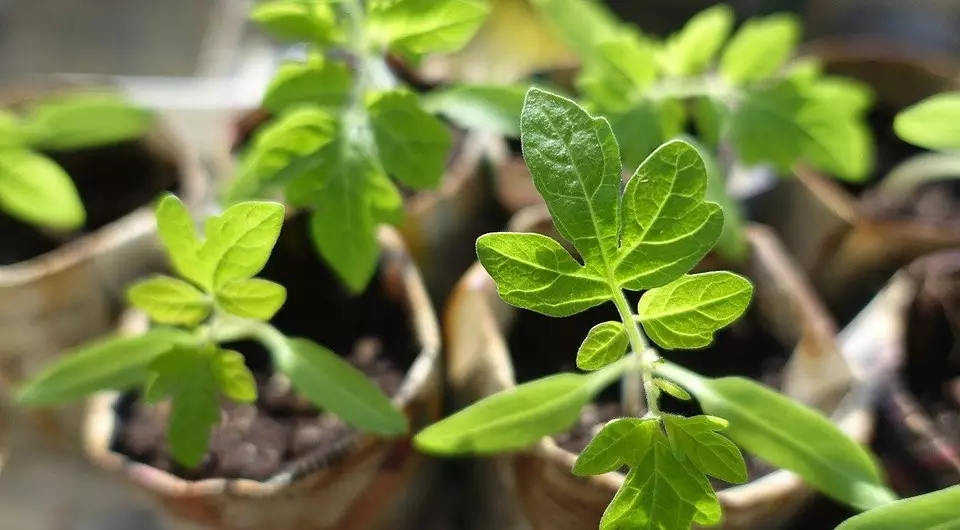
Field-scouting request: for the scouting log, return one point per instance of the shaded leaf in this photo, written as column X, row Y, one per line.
column 169, row 300
column 195, row 405
column 605, row 344
column 933, row 123
column 412, row 144
column 324, row 83
column 83, row 119
column 252, row 298
column 760, row 48
column 34, row 189
column 621, row 442
column 239, row 241
column 494, row 108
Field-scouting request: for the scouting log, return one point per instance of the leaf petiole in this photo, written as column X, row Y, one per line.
column 638, row 374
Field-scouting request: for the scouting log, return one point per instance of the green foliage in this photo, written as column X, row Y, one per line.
column 343, row 124
column 646, row 238
column 217, row 299
column 933, row 123
column 932, row 511
column 33, row 188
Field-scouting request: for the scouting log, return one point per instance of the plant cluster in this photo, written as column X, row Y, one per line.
column 645, row 238
column 344, row 123
column 33, row 188
column 217, row 299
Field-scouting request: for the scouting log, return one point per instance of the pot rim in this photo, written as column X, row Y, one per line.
column 100, row 420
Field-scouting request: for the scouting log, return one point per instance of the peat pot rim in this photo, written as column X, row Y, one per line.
column 763, row 496
column 402, row 280
column 163, row 140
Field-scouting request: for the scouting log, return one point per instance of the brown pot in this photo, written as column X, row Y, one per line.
column 536, row 488
column 373, row 484
column 917, row 340
column 70, row 294
column 848, row 249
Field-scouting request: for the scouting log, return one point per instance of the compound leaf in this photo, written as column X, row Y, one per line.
column 252, row 298
column 169, row 300
column 621, row 442
column 412, row 144
column 605, row 344
column 34, row 189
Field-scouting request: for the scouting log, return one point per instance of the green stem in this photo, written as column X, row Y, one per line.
column 639, row 373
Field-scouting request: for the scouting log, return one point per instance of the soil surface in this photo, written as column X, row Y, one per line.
column 281, row 430
column 112, row 181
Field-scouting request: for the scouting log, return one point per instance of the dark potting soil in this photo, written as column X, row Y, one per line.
column 372, row 331
column 112, row 181
column 542, row 345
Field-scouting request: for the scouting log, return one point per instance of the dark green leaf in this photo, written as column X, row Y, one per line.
column 34, row 189
column 411, row 143
column 760, row 48
column 932, row 511
column 233, row 376
column 422, row 26
column 933, row 123
column 605, row 344
column 333, row 384
column 323, row 83
column 193, row 413
column 710, row 116
column 240, row 241
column 698, row 439
column 252, row 298
column 639, row 130
column 621, row 442
column 82, row 119
column 178, row 233
column 296, row 20
column 494, row 108
column 169, row 300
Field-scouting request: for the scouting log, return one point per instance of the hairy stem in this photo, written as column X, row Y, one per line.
column 639, row 375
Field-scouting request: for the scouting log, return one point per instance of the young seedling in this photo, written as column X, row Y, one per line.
column 216, row 299
column 645, row 238
column 344, row 123
column 33, row 188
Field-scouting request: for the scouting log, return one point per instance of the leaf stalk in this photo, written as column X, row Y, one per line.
column 638, row 385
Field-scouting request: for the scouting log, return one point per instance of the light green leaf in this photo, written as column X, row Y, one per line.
column 11, row 134
column 672, row 389
column 239, row 241
column 295, row 20
column 252, row 298
column 697, row 438
column 178, row 233
column 843, row 94
column 412, row 144
column 690, row 50
column 511, row 419
column 494, row 108
column 105, row 364
column 581, row 24
column 281, row 150
column 36, row 190
column 332, row 384
column 839, row 143
column 324, row 83
column 668, row 226
column 621, row 442
column 624, row 69
column 575, row 164
column 605, row 344
column 788, row 435
column 933, row 123
column 233, row 376
column 709, row 116
column 346, row 191
column 169, row 300
column 534, row 272
column 84, row 119
column 932, row 511
column 662, row 493
column 760, row 48
column 422, row 26
column 685, row 313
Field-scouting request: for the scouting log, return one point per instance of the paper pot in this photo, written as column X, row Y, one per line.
column 535, row 489
column 369, row 483
column 849, row 251
column 69, row 294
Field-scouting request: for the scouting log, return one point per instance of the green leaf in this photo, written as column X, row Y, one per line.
column 843, row 94
column 252, row 298
column 668, row 226
column 412, row 144
column 239, row 241
column 534, row 272
column 672, row 389
column 494, row 108
column 36, row 190
column 178, row 233
column 624, row 69
column 932, row 511
column 698, row 439
column 195, row 405
column 83, row 119
column 512, row 419
column 105, row 364
column 581, row 24
column 333, row 384
column 760, row 48
column 11, row 133
column 710, row 116
column 662, row 492
column 296, row 20
column 788, row 435
column 169, row 301
column 605, row 344
column 233, row 376
column 621, row 442
column 690, row 50
column 641, row 129
column 421, row 26
column 323, row 83
column 346, row 191
column 933, row 123
column 685, row 313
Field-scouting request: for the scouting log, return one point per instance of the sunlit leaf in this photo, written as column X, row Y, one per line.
column 240, row 241
column 421, row 26
column 169, row 300
column 296, row 20
column 252, row 298
column 760, row 48
column 325, row 83
column 178, row 233
column 36, row 190
column 412, row 145
column 691, row 49
column 622, row 441
column 234, row 378
column 605, row 344
column 933, row 123
column 698, row 438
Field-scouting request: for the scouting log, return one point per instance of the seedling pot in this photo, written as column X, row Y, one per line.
column 915, row 316
column 56, row 293
column 537, row 486
column 846, row 243
column 365, row 483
